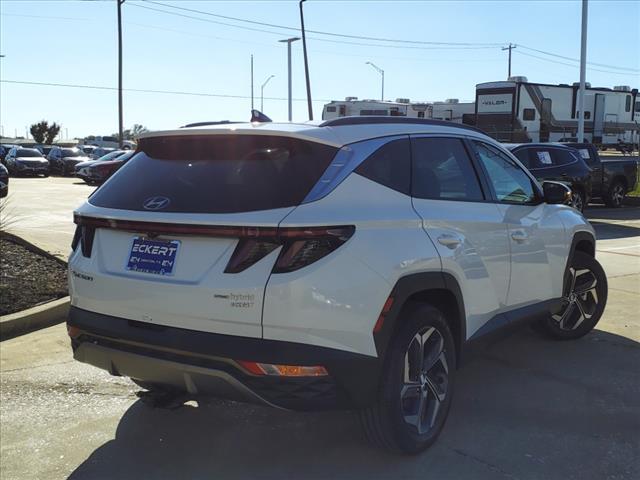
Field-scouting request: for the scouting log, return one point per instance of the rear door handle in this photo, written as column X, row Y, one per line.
column 564, row 174
column 519, row 236
column 449, row 241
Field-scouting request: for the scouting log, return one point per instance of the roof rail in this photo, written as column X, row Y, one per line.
column 204, row 124
column 374, row 119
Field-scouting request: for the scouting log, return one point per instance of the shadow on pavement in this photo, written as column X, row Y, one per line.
column 525, row 408
column 607, row 231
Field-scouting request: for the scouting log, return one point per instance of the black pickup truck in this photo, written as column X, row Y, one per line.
column 610, row 179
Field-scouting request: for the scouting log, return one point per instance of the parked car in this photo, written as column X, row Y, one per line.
column 4, row 150
column 81, row 168
column 44, row 149
column 552, row 161
column 612, row 178
column 110, row 142
column 21, row 161
column 87, row 149
column 99, row 171
column 100, row 152
column 4, row 181
column 64, row 160
column 350, row 264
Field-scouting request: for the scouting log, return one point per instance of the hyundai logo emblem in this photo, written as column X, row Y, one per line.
column 156, row 203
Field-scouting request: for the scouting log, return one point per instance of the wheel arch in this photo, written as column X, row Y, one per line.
column 438, row 289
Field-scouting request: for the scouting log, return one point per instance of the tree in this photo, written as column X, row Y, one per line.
column 52, row 133
column 39, row 131
column 133, row 132
column 42, row 132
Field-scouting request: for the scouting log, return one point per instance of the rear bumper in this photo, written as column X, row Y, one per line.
column 206, row 364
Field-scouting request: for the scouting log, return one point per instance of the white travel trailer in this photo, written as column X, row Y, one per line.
column 454, row 111
column 522, row 111
column 351, row 106
column 451, row 109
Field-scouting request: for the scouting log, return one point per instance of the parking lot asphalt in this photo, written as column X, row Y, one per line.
column 525, row 408
column 41, row 210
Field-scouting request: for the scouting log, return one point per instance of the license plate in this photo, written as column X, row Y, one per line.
column 153, row 256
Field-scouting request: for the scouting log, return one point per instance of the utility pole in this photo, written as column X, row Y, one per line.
column 306, row 63
column 583, row 70
column 120, row 122
column 381, row 72
column 251, row 81
column 510, row 47
column 288, row 41
column 262, row 93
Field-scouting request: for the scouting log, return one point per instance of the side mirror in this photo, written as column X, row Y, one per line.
column 556, row 192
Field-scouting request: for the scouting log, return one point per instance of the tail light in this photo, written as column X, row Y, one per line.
column 304, row 246
column 300, row 247
column 84, row 236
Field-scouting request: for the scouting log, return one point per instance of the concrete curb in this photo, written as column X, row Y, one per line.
column 40, row 316
column 35, row 318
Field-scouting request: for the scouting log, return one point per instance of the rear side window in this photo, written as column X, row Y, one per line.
column 217, row 174
column 390, row 166
column 443, row 170
column 562, row 156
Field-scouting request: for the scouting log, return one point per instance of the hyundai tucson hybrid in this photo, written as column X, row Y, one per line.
column 549, row 161
column 349, row 264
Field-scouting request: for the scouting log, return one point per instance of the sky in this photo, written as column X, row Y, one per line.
column 167, row 48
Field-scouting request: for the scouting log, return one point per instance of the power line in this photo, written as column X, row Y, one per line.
column 343, row 42
column 357, row 37
column 572, row 65
column 141, row 90
column 575, row 60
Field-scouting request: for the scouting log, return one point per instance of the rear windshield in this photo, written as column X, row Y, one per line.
column 221, row 174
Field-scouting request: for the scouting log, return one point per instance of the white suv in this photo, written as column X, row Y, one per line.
column 350, row 264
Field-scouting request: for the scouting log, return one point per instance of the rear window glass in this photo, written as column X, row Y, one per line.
column 390, row 166
column 217, row 174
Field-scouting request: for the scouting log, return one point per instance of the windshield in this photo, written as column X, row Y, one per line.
column 223, row 174
column 72, row 152
column 24, row 152
column 110, row 156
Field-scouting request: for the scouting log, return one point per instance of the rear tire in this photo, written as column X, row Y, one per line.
column 416, row 385
column 615, row 196
column 584, row 300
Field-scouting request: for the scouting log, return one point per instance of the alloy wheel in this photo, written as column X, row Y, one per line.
column 425, row 380
column 617, row 194
column 580, row 301
column 576, row 201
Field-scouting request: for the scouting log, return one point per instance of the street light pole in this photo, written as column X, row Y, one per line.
column 306, row 63
column 381, row 72
column 289, row 41
column 583, row 70
column 262, row 93
column 120, row 122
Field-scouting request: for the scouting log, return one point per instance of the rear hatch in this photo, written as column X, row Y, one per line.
column 185, row 234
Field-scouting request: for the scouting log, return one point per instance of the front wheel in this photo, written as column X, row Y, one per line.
column 583, row 300
column 615, row 196
column 417, row 384
column 577, row 200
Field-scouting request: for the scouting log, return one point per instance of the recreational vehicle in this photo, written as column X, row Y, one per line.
column 522, row 111
column 454, row 111
column 351, row 107
column 451, row 109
